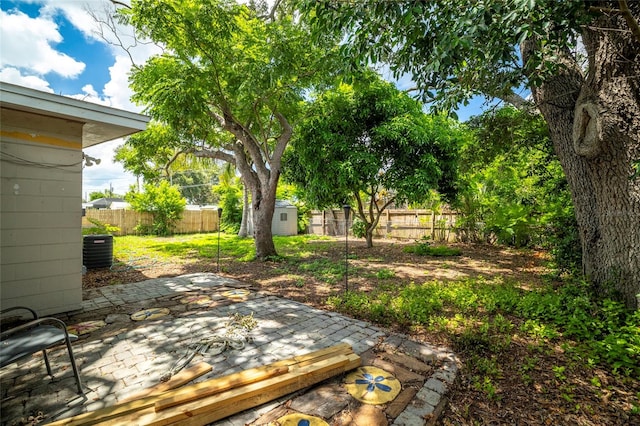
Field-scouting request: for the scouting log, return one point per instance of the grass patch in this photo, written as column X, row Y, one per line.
column 205, row 246
column 425, row 249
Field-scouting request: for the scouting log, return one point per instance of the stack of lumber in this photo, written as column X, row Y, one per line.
column 211, row 400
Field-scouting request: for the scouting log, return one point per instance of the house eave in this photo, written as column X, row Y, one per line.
column 100, row 123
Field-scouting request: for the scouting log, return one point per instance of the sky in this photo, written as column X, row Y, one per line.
column 57, row 46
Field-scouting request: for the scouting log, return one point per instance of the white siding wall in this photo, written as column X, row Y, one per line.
column 40, row 213
column 285, row 227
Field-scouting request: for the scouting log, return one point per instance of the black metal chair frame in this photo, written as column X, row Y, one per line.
column 34, row 336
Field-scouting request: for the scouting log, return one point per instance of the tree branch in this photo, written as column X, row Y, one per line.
column 172, row 160
column 624, row 10
column 119, row 3
column 281, row 141
column 215, row 154
column 631, row 20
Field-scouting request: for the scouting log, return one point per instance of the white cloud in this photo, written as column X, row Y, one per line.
column 117, row 89
column 14, row 76
column 77, row 12
column 25, row 42
column 89, row 90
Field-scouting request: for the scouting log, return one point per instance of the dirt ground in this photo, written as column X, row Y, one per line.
column 522, row 393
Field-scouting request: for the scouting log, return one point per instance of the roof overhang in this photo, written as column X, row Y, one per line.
column 100, row 123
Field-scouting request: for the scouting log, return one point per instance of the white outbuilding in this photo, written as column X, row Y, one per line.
column 285, row 219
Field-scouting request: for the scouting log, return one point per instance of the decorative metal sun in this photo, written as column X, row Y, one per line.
column 149, row 314
column 372, row 385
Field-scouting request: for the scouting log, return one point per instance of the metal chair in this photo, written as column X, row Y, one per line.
column 34, row 336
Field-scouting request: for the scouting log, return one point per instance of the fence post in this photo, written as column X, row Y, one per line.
column 388, row 223
column 325, row 225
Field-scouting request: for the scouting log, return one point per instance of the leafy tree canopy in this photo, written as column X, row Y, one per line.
column 371, row 143
column 232, row 67
column 453, row 50
column 147, row 154
column 107, row 193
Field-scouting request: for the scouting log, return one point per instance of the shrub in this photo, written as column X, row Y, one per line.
column 163, row 201
column 423, row 248
column 359, row 228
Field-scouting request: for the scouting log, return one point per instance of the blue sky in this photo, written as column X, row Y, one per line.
column 52, row 45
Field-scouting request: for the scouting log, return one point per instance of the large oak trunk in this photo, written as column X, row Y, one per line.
column 594, row 122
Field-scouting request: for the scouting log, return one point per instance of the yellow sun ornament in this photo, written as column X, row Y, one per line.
column 238, row 293
column 372, row 385
column 195, row 300
column 149, row 314
column 298, row 419
column 85, row 327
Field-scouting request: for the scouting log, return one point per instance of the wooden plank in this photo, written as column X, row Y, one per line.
column 216, row 407
column 181, row 378
column 253, row 375
column 139, row 401
column 236, row 379
column 218, row 385
column 311, row 357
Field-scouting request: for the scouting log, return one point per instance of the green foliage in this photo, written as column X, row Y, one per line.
column 324, row 270
column 562, row 240
column 385, row 273
column 107, row 193
column 230, row 82
column 196, row 185
column 99, row 228
column 163, row 201
column 514, row 190
column 359, row 228
column 450, row 52
column 604, row 330
column 424, row 248
column 147, row 153
column 229, row 191
column 378, row 147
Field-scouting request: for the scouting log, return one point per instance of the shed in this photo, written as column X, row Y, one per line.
column 285, row 219
column 42, row 136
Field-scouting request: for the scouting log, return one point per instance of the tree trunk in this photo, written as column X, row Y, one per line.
column 243, row 233
column 594, row 122
column 263, row 205
column 368, row 235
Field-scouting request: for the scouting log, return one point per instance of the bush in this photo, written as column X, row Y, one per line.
column 163, row 201
column 563, row 242
column 359, row 228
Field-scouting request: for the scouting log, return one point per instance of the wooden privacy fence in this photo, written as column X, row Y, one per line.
column 399, row 224
column 192, row 222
